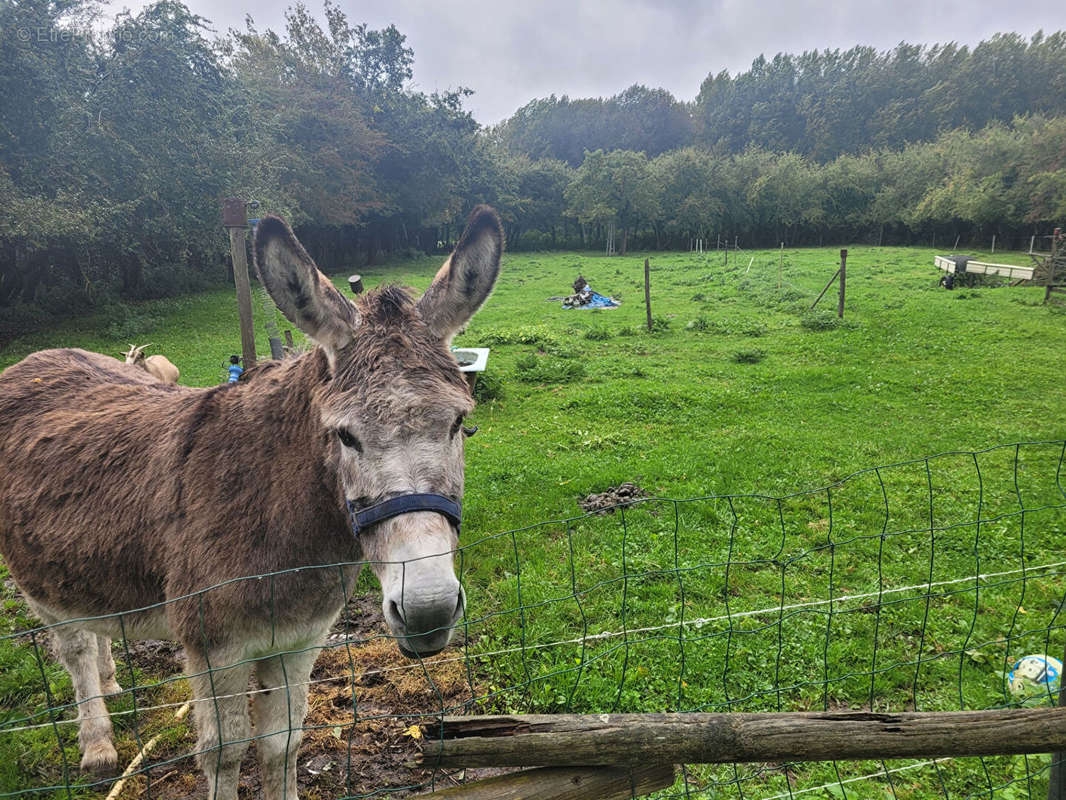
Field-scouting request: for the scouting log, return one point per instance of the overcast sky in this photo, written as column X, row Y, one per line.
column 510, row 51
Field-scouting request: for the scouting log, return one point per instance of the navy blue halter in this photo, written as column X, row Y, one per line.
column 404, row 504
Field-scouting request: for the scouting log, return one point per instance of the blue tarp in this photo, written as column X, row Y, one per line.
column 598, row 301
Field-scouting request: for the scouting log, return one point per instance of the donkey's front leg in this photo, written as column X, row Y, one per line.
column 279, row 717
column 79, row 653
column 220, row 692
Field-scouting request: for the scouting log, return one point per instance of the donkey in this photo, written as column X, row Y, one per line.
column 122, row 499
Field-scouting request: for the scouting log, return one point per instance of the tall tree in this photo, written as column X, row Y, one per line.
column 612, row 186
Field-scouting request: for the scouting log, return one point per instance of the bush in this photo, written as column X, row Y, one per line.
column 127, row 324
column 698, row 324
column 597, row 334
column 173, row 279
column 21, row 319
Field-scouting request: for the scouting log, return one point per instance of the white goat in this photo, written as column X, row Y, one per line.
column 159, row 367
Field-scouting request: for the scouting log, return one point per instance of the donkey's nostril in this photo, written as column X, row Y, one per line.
column 394, row 607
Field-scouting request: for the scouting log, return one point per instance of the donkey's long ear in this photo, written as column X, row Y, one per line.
column 305, row 296
column 466, row 279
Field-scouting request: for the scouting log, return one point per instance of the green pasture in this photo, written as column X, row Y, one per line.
column 744, row 583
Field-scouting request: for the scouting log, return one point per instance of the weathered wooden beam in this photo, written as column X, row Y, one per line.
column 566, row 783
column 235, row 220
column 826, row 289
column 612, row 739
column 843, row 282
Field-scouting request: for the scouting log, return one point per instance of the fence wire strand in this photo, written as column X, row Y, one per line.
column 909, row 586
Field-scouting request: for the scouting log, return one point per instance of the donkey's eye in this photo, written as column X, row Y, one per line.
column 348, row 440
column 457, row 425
column 468, row 432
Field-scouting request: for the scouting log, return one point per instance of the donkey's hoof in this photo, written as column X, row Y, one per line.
column 100, row 759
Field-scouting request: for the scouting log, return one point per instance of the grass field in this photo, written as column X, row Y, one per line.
column 762, row 595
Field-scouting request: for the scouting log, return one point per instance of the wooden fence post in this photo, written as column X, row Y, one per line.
column 235, row 220
column 843, row 282
column 647, row 291
column 1051, row 263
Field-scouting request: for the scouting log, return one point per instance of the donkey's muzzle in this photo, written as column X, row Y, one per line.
column 424, row 604
column 424, row 626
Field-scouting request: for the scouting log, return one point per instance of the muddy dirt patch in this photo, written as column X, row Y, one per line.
column 369, row 709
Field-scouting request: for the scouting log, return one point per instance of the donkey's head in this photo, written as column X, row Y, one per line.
column 392, row 412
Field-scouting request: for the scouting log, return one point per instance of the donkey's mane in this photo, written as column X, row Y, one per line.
column 384, row 311
column 386, row 305
column 261, row 368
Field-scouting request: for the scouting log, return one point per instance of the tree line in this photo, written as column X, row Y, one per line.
column 820, row 104
column 1007, row 180
column 117, row 146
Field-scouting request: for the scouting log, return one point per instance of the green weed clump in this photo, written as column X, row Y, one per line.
column 597, row 334
column 539, row 335
column 489, row 386
column 531, row 368
column 788, row 295
column 660, row 324
column 698, row 324
column 820, row 321
column 753, row 356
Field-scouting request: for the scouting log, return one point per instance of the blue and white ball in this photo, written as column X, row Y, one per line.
column 1035, row 675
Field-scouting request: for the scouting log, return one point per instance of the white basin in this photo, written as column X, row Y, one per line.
column 471, row 359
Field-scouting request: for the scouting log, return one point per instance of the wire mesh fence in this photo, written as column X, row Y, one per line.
column 907, row 587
